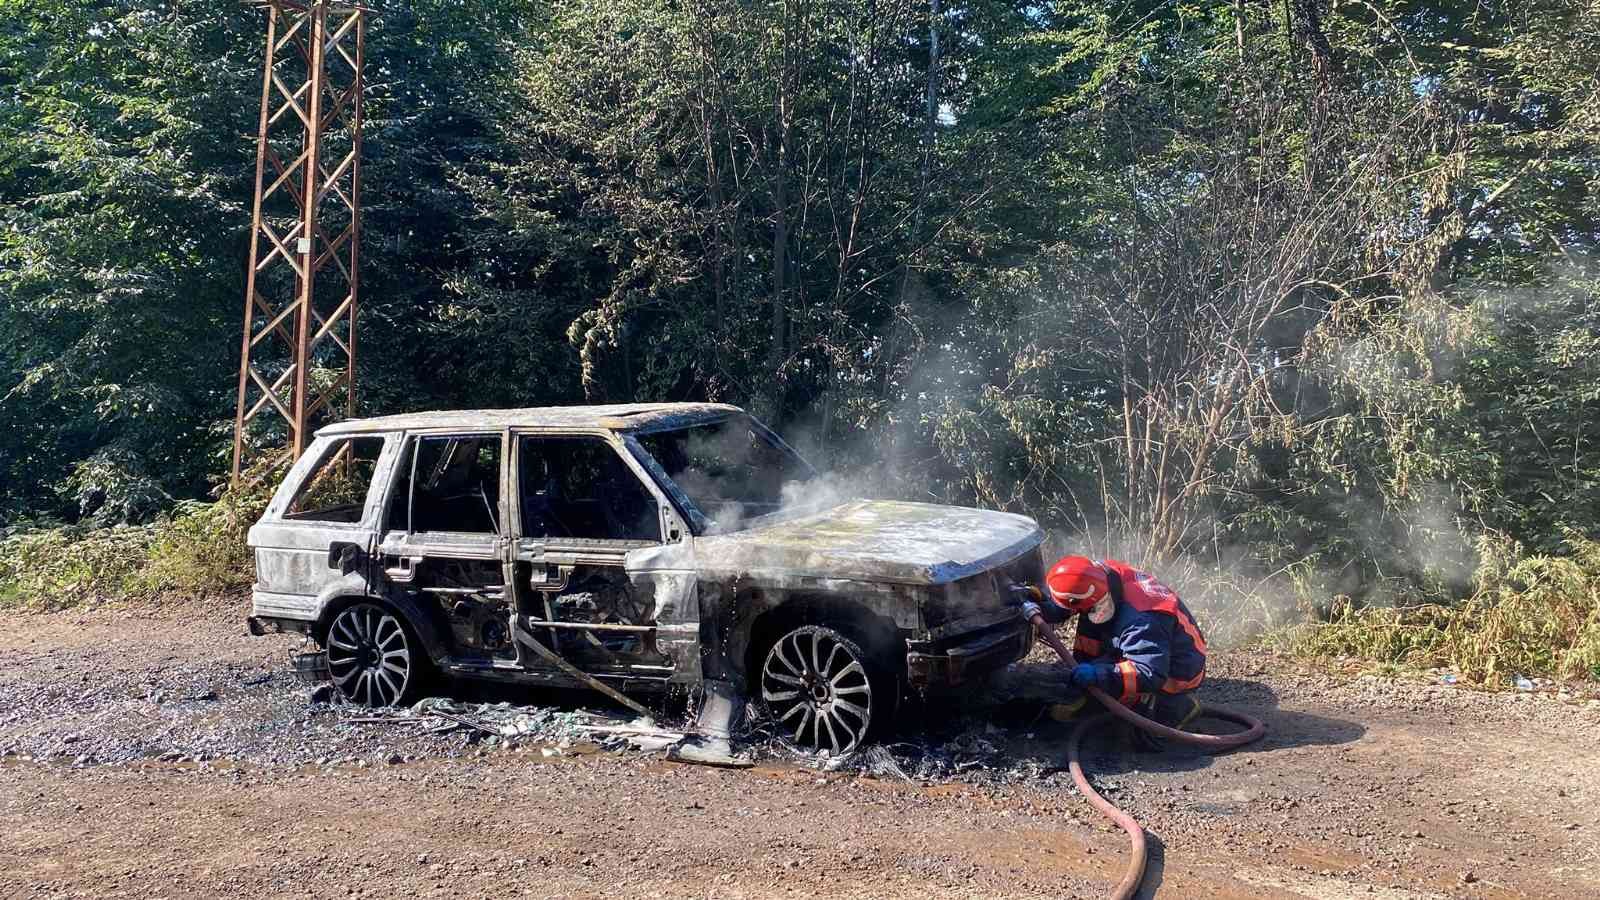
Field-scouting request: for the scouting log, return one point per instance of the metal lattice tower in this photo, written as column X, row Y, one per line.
column 297, row 364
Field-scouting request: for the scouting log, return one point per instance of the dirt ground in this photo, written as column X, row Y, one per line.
column 174, row 757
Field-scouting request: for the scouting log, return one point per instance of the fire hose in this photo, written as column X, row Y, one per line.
column 1254, row 729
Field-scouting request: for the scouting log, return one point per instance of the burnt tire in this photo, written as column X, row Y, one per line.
column 374, row 657
column 822, row 691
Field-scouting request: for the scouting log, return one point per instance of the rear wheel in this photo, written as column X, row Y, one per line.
column 372, row 656
column 822, row 691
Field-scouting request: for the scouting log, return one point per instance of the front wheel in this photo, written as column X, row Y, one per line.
column 821, row 690
column 372, row 656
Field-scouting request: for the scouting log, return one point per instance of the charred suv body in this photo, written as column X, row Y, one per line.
column 636, row 547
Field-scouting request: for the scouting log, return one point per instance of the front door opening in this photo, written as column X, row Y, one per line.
column 579, row 498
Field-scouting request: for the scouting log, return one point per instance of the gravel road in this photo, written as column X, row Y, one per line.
column 171, row 755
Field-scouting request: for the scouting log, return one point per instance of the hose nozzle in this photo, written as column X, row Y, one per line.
column 1024, row 593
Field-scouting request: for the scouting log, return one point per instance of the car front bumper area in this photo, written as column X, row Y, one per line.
column 967, row 648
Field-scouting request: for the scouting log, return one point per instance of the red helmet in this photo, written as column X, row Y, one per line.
column 1077, row 583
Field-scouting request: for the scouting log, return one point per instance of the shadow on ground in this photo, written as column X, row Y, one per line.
column 1025, row 736
column 1024, row 733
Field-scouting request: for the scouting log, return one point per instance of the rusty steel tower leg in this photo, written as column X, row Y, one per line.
column 298, row 355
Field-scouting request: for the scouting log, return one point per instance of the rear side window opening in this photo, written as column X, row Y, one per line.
column 336, row 490
column 448, row 484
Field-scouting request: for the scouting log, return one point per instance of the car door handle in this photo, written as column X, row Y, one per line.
column 400, row 569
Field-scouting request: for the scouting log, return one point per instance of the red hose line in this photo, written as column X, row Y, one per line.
column 1135, row 874
column 1254, row 729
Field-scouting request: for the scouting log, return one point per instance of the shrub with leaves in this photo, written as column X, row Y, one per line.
column 60, row 567
column 199, row 548
column 1532, row 615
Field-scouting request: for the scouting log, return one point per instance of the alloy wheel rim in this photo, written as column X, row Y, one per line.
column 368, row 656
column 817, row 690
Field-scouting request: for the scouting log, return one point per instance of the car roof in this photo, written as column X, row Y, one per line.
column 609, row 417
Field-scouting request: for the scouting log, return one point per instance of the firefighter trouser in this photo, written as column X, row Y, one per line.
column 1173, row 710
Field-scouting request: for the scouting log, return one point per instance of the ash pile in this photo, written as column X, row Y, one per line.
column 971, row 750
column 488, row 725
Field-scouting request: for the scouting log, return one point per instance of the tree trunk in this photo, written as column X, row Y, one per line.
column 1238, row 26
column 925, row 176
column 780, row 241
column 780, row 197
column 931, row 115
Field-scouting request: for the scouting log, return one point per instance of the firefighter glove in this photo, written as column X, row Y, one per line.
column 1086, row 675
column 1031, row 609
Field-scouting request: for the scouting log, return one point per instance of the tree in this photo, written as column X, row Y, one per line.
column 126, row 150
column 120, row 247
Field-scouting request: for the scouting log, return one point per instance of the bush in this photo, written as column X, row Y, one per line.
column 59, row 567
column 1532, row 615
column 202, row 549
column 199, row 548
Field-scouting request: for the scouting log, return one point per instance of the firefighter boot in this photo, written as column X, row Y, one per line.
column 1172, row 710
column 1070, row 708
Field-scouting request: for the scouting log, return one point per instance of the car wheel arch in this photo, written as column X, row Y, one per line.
column 876, row 633
column 410, row 613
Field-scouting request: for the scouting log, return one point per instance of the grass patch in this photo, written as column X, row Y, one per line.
column 198, row 548
column 1528, row 615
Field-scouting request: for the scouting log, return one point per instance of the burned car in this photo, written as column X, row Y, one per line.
column 631, row 548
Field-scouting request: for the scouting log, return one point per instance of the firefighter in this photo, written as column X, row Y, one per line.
column 1136, row 640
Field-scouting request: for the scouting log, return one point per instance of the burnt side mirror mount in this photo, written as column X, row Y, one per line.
column 671, row 526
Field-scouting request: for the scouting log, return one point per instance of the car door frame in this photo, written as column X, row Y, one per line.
column 401, row 551
column 551, row 561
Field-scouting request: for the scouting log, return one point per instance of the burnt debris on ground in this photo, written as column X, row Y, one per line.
column 970, row 749
column 200, row 711
column 491, row 724
column 130, row 700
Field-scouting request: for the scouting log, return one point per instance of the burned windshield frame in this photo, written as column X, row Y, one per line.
column 699, row 522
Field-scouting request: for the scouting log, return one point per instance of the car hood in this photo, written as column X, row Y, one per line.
column 872, row 540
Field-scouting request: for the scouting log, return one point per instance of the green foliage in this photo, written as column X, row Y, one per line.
column 122, row 201
column 62, row 567
column 1530, row 388
column 1530, row 615
column 126, row 166
column 196, row 549
column 1292, row 301
column 201, row 549
column 1344, row 217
